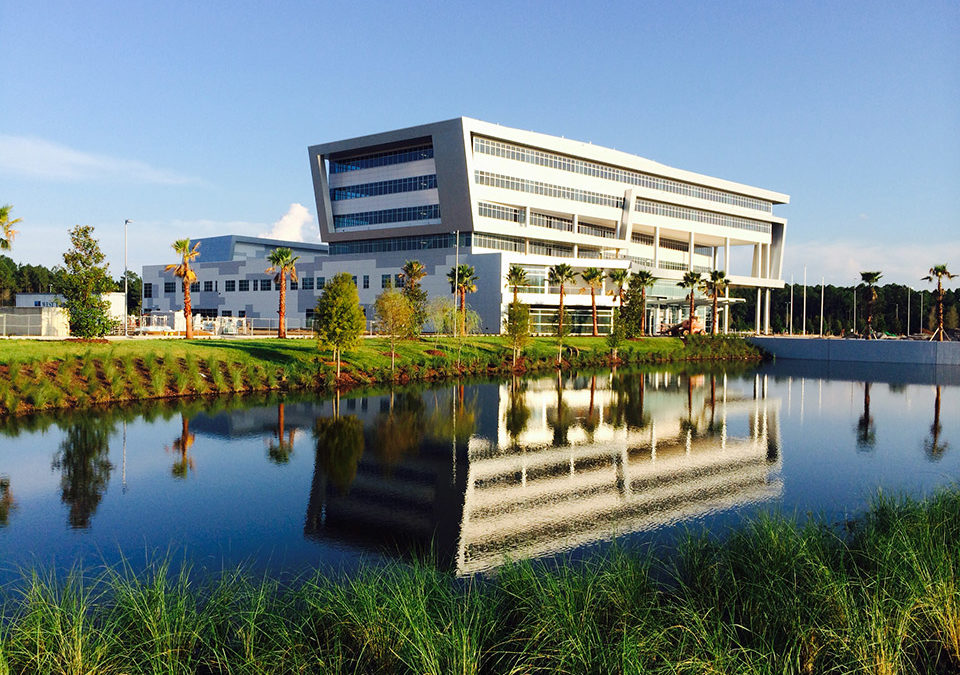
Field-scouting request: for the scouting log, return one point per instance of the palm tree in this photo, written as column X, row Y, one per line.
column 279, row 452
column 463, row 280
column 182, row 444
column 282, row 261
column 7, row 233
column 870, row 280
column 643, row 280
column 619, row 279
column 593, row 276
column 560, row 275
column 715, row 284
column 412, row 272
column 939, row 272
column 693, row 281
column 186, row 275
column 934, row 447
column 866, row 434
column 516, row 277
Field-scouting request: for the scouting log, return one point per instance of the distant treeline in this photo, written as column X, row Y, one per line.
column 889, row 310
column 15, row 278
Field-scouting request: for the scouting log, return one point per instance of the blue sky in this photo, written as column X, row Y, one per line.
column 193, row 118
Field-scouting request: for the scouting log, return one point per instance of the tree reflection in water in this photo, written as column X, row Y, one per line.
column 518, row 412
column 933, row 446
column 866, row 433
column 592, row 419
column 6, row 501
column 339, row 442
column 560, row 419
column 181, row 445
column 400, row 430
column 281, row 446
column 460, row 424
column 84, row 464
column 627, row 406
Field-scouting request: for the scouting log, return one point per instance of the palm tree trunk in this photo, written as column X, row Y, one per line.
column 336, row 355
column 560, row 315
column 643, row 310
column 186, row 311
column 282, row 326
column 593, row 302
column 939, row 310
column 692, row 309
column 463, row 311
column 715, row 294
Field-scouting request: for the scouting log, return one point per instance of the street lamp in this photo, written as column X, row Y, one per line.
column 126, row 281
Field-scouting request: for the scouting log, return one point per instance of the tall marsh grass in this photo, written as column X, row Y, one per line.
column 879, row 596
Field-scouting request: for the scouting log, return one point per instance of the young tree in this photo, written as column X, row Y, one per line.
column 339, row 321
column 395, row 318
column 715, row 284
column 282, row 261
column 641, row 281
column 84, row 281
column 617, row 334
column 7, row 233
column 593, row 276
column 412, row 273
column 463, row 280
column 516, row 277
column 560, row 331
column 517, row 328
column 441, row 312
column 693, row 281
column 186, row 275
column 561, row 275
column 938, row 272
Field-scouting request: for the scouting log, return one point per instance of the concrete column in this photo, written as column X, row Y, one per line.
column 526, row 247
column 656, row 247
column 769, row 270
column 576, row 223
column 758, row 312
column 576, row 251
column 726, row 255
column 715, row 249
column 766, row 313
column 755, row 267
column 690, row 252
column 526, row 216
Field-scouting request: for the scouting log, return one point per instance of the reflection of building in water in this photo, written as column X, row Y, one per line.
column 527, row 497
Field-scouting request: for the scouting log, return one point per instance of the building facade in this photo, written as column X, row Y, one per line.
column 470, row 192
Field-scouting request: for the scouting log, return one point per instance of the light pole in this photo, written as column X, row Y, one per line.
column 126, row 281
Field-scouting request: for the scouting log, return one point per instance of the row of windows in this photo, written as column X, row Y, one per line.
column 344, row 164
column 233, row 285
column 597, row 231
column 500, row 212
column 699, row 216
column 546, row 189
column 398, row 215
column 643, row 262
column 391, row 281
column 384, row 187
column 553, row 222
column 391, row 244
column 543, row 320
column 499, row 243
column 586, row 168
column 548, row 248
column 641, row 238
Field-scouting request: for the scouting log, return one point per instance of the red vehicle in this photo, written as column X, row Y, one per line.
column 683, row 328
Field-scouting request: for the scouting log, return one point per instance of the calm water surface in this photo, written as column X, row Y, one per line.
column 476, row 473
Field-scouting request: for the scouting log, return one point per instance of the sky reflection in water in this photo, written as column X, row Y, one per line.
column 471, row 473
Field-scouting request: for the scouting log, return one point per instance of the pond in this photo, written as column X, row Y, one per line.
column 469, row 473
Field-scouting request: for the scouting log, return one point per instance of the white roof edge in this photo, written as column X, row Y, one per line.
column 606, row 155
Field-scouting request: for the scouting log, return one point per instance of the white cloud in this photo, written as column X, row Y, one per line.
column 841, row 262
column 292, row 225
column 39, row 158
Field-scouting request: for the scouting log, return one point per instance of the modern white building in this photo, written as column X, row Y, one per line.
column 489, row 196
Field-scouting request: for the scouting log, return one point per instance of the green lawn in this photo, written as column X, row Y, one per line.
column 46, row 374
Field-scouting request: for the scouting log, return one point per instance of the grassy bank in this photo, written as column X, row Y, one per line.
column 881, row 595
column 37, row 375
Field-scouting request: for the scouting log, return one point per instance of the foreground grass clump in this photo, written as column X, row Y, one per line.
column 38, row 375
column 879, row 596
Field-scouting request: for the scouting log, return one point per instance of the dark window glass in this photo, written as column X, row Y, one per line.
column 398, row 215
column 226, row 312
column 366, row 281
column 321, row 282
column 195, row 287
column 384, row 187
column 293, row 285
column 229, row 286
column 245, row 285
column 207, row 286
column 306, row 283
column 384, row 281
column 169, row 286
column 148, row 290
column 344, row 164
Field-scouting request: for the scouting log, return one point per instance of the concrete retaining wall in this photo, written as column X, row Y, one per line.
column 872, row 351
